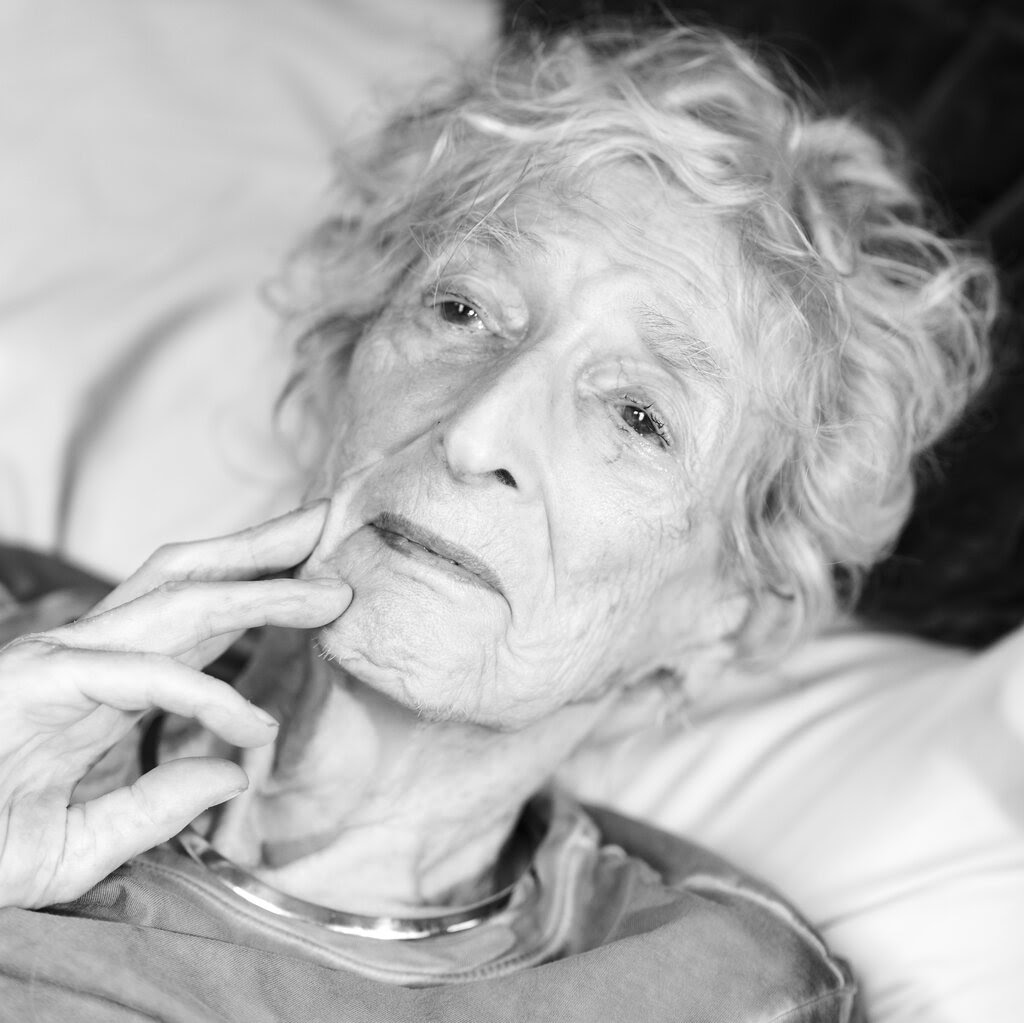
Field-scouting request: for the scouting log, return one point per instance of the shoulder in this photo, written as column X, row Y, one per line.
column 722, row 938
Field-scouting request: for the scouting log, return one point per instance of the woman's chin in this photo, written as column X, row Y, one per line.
column 418, row 650
column 415, row 631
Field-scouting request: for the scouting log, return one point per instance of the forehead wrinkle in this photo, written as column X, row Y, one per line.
column 676, row 345
column 496, row 238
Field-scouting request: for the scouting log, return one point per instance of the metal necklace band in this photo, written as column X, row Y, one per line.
column 385, row 928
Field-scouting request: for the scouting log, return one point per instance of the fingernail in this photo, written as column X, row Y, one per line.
column 262, row 715
column 342, row 589
column 241, row 784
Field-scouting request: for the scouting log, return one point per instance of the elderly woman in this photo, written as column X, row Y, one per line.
column 617, row 359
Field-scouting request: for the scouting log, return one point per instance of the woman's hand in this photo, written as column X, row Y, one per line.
column 68, row 694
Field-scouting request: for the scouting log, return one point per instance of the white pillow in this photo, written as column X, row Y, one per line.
column 159, row 158
column 882, row 789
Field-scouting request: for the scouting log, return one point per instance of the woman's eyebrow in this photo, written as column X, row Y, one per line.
column 676, row 344
column 494, row 241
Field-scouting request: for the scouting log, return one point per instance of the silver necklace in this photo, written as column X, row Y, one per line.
column 384, row 928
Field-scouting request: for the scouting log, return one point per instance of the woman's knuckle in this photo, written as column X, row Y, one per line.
column 174, row 587
column 187, row 560
column 165, row 559
column 151, row 813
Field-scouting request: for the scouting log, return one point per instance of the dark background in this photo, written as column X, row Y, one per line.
column 949, row 74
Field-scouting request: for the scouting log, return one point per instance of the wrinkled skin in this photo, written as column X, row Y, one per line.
column 69, row 694
column 511, row 403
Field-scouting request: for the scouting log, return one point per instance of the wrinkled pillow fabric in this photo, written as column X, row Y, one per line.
column 160, row 157
column 880, row 783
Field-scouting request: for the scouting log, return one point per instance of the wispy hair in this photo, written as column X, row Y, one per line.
column 868, row 329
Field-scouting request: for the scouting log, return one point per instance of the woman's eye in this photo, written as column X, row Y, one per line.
column 643, row 420
column 458, row 313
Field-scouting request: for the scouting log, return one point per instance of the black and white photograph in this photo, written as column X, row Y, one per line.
column 511, row 510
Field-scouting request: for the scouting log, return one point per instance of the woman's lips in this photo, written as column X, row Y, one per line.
column 397, row 531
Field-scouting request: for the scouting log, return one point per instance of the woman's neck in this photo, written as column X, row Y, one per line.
column 365, row 807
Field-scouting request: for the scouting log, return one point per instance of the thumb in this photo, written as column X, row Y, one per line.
column 111, row 829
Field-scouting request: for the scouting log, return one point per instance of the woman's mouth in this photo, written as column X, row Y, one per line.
column 412, row 540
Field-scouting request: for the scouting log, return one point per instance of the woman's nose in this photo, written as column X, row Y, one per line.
column 495, row 429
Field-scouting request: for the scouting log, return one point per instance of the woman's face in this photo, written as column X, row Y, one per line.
column 538, row 430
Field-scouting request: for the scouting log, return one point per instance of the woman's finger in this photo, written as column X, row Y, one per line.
column 273, row 546
column 137, row 682
column 107, row 831
column 176, row 618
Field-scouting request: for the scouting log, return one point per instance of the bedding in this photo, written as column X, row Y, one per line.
column 160, row 158
column 880, row 782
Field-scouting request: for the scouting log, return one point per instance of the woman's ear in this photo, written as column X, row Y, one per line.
column 654, row 700
column 697, row 646
column 690, row 671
